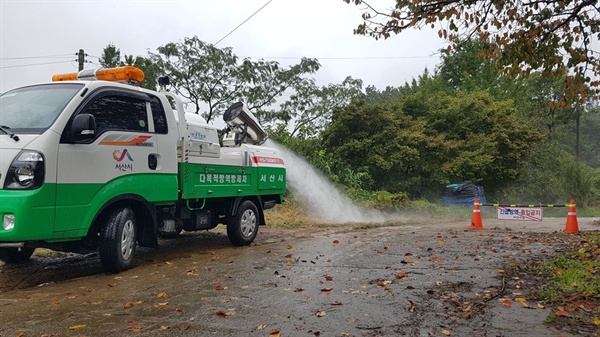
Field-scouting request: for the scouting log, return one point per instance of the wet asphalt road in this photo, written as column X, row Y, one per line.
column 413, row 279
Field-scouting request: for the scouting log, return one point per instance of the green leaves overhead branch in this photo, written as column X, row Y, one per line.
column 553, row 37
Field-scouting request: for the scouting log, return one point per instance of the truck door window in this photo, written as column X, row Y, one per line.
column 114, row 112
column 158, row 115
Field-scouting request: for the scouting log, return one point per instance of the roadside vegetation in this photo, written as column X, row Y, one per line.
column 570, row 284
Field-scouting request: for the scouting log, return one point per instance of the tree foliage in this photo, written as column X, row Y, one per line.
column 549, row 36
column 309, row 108
column 423, row 142
column 212, row 78
column 111, row 56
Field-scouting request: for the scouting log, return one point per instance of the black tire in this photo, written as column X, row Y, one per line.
column 15, row 255
column 118, row 241
column 243, row 227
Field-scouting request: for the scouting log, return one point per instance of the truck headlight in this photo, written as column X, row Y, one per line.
column 26, row 172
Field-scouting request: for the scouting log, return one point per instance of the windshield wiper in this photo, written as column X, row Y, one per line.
column 5, row 128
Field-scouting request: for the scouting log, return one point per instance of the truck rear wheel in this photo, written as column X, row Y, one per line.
column 118, row 241
column 15, row 255
column 243, row 227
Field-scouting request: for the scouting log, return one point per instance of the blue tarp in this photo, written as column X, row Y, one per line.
column 462, row 194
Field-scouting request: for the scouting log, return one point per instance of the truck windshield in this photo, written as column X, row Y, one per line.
column 33, row 109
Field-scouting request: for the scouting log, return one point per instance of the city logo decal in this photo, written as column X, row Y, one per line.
column 119, row 156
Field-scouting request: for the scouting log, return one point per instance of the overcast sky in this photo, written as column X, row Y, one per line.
column 40, row 38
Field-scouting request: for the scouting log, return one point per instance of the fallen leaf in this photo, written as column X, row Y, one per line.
column 411, row 307
column 400, row 274
column 289, row 247
column 520, row 299
column 445, row 332
column 129, row 305
column 289, row 263
column 185, row 328
column 275, row 333
column 561, row 313
column 135, row 328
column 506, row 302
column 597, row 321
column 383, row 283
column 162, row 295
column 320, row 313
column 77, row 327
column 224, row 313
column 261, row 327
column 328, row 278
column 297, row 290
column 336, row 303
column 336, row 241
column 54, row 303
column 326, row 289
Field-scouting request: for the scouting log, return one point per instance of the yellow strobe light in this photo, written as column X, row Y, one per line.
column 119, row 74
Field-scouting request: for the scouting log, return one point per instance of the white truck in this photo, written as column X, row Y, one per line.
column 90, row 162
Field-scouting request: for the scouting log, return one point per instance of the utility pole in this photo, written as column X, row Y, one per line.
column 80, row 58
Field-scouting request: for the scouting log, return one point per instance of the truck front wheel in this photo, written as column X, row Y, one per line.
column 118, row 241
column 243, row 227
column 15, row 255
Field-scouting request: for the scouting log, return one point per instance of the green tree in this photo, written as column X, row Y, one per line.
column 380, row 140
column 552, row 37
column 111, row 56
column 209, row 77
column 464, row 69
column 491, row 139
column 309, row 108
column 423, row 142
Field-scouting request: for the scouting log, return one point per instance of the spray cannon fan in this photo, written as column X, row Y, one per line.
column 243, row 127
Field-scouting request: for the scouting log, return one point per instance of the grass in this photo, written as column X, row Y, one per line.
column 577, row 271
column 574, row 287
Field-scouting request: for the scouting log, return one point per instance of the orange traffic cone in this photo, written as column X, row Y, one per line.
column 476, row 222
column 572, row 226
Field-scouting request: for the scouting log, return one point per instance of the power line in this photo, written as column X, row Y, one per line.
column 238, row 26
column 341, row 58
column 36, row 57
column 34, row 64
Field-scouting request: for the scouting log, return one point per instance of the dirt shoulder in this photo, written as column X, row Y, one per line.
column 418, row 278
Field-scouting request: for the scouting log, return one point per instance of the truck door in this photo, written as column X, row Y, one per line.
column 121, row 159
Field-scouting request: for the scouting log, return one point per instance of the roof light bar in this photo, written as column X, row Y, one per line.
column 119, row 74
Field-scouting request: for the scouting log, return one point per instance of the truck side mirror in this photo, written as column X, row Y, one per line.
column 83, row 128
